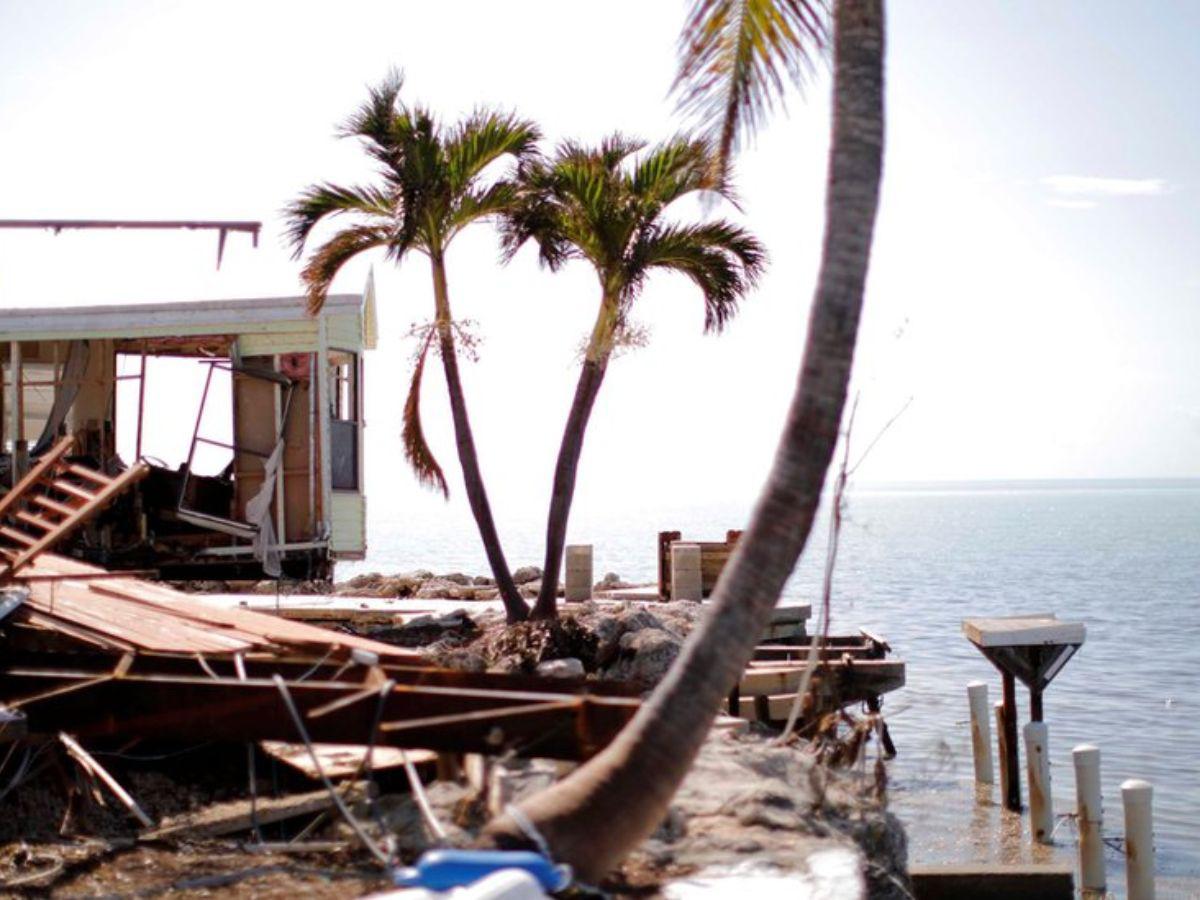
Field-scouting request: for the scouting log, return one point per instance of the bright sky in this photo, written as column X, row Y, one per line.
column 1034, row 285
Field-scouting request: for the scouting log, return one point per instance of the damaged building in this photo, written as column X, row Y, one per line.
column 260, row 404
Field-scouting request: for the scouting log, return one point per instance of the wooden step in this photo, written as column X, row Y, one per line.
column 89, row 474
column 43, row 469
column 36, row 521
column 51, row 504
column 93, row 503
column 66, row 487
column 20, row 536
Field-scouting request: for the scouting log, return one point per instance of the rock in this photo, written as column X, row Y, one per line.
column 457, row 578
column 440, row 588
column 636, row 619
column 608, row 633
column 464, row 659
column 561, row 668
column 745, row 795
column 424, row 630
column 483, row 581
column 645, row 656
column 375, row 584
column 611, row 582
column 526, row 574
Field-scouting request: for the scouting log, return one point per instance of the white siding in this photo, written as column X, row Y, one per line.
column 344, row 332
column 349, row 528
column 290, row 337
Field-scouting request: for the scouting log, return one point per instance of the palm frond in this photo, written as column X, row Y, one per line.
column 722, row 259
column 374, row 120
column 735, row 56
column 676, row 168
column 484, row 137
column 416, row 448
column 481, row 203
column 321, row 200
column 327, row 261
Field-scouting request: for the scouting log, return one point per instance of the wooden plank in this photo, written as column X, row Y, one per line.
column 68, row 487
column 782, row 679
column 36, row 520
column 259, row 629
column 19, row 536
column 342, row 760
column 992, row 882
column 54, row 505
column 236, row 815
column 88, row 474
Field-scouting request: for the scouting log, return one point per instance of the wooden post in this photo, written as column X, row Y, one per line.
column 20, row 452
column 981, row 732
column 1041, row 803
column 1089, row 818
column 1137, row 797
column 579, row 573
column 686, row 580
column 1012, row 794
column 1002, row 751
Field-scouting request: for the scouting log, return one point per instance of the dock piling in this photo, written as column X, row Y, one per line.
column 1037, row 762
column 1089, row 818
column 981, row 732
column 1137, row 797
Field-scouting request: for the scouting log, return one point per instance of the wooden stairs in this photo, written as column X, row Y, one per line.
column 50, row 502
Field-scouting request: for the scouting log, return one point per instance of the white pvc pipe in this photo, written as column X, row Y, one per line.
column 1002, row 748
column 1089, row 817
column 981, row 732
column 1037, row 764
column 1137, row 797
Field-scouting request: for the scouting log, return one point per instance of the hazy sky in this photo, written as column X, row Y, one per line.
column 1034, row 284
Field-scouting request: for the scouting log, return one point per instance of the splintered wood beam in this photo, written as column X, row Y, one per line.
column 240, row 815
column 203, row 708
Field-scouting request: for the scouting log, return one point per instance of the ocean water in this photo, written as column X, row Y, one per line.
column 1123, row 557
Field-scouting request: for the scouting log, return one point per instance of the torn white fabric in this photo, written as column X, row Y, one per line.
column 258, row 512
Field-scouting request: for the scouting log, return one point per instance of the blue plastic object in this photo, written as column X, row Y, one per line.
column 441, row 870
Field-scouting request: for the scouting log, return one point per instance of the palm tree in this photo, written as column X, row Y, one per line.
column 431, row 188
column 607, row 206
column 632, row 781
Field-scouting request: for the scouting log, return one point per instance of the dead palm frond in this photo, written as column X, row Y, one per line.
column 736, row 58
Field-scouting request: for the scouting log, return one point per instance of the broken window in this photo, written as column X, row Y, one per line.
column 344, row 415
column 158, row 400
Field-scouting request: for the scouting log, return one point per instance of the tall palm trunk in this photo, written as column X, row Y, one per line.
column 629, row 785
column 514, row 606
column 591, row 376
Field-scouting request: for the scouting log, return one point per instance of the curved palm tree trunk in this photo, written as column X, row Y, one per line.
column 591, row 376
column 514, row 606
column 628, row 787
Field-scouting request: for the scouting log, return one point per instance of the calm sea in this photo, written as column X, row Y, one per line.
column 1123, row 557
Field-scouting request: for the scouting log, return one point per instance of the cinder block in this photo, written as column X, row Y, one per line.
column 579, row 573
column 685, row 571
